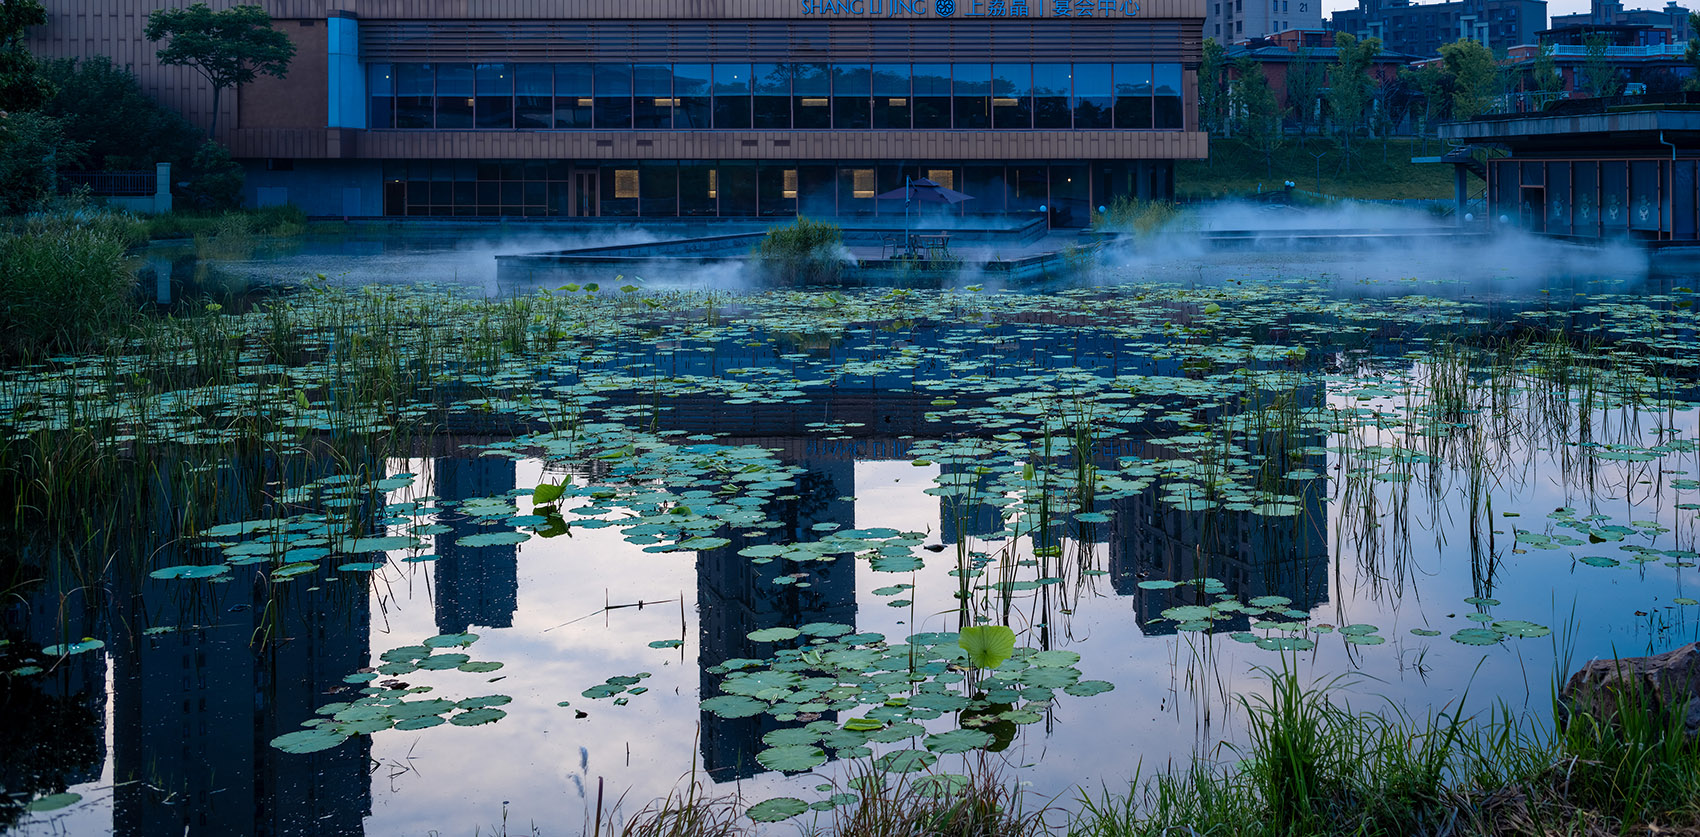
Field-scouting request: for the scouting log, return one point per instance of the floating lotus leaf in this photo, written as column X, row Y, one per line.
column 1188, row 613
column 1047, row 659
column 775, row 810
column 792, row 759
column 451, row 640
column 1087, row 688
column 493, row 539
column 957, row 741
column 905, row 761
column 87, row 644
column 481, row 715
column 191, row 571
column 309, row 740
column 774, row 634
column 1520, row 628
column 1478, row 636
column 987, row 645
column 53, row 802
column 734, row 706
column 443, row 662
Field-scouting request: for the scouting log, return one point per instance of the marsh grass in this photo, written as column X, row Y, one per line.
column 65, row 282
column 1314, row 766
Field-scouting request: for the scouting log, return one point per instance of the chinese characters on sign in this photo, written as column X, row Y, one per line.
column 972, row 8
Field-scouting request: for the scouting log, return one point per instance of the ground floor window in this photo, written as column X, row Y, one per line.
column 1065, row 193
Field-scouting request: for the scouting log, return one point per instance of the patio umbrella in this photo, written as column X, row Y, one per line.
column 922, row 191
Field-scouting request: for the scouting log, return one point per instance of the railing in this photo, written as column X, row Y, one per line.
column 133, row 184
column 1648, row 51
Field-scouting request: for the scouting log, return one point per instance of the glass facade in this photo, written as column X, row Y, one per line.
column 1063, row 192
column 740, row 96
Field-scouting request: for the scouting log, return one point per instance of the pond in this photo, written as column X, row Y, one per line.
column 380, row 556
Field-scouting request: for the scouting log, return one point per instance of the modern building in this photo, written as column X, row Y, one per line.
column 1639, row 54
column 670, row 108
column 1279, row 54
column 1672, row 18
column 1590, row 172
column 1420, row 30
column 1232, row 21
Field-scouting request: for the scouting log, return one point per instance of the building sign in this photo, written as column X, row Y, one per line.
column 972, row 8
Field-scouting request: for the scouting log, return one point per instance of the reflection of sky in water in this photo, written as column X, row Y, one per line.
column 1175, row 696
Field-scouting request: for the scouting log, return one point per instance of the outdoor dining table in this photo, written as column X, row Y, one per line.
column 929, row 244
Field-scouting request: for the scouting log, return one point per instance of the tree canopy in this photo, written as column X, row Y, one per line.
column 230, row 47
column 1474, row 75
column 21, row 84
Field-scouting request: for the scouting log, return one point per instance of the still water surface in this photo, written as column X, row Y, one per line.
column 1078, row 461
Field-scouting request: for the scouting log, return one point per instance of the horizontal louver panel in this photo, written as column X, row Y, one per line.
column 922, row 40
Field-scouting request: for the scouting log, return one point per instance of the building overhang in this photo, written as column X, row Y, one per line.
column 1592, row 134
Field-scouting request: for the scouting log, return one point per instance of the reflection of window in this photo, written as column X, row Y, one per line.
column 713, row 183
column 789, row 189
column 814, row 103
column 625, row 183
column 943, row 177
column 861, row 183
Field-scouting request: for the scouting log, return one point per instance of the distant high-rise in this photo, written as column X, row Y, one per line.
column 1232, row 21
column 1421, row 29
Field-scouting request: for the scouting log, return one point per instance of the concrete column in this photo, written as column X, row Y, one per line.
column 162, row 187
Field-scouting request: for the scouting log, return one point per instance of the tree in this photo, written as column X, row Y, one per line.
column 229, row 48
column 1692, row 55
column 21, row 84
column 1598, row 73
column 1473, row 76
column 1212, row 91
column 1305, row 83
column 1544, row 77
column 1257, row 114
column 1349, row 92
column 31, row 148
column 1432, row 83
column 101, row 104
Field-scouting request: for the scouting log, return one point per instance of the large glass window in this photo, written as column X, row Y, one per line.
column 496, row 97
column 1053, row 85
column 658, row 185
column 652, row 98
column 573, row 101
column 737, row 189
column 731, row 96
column 699, row 189
column 415, row 95
column 972, row 86
column 932, row 96
column 619, row 188
column 1012, row 97
column 454, row 96
column 772, row 95
column 1133, row 96
column 1092, row 99
column 614, row 97
column 856, row 191
column 693, row 107
column 891, row 96
column 777, row 186
column 811, row 97
column 1166, row 85
column 534, row 84
column 380, row 88
column 850, row 92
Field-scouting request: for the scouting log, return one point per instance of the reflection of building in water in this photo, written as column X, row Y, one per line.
column 967, row 516
column 736, row 596
column 52, row 725
column 196, row 708
column 1252, row 555
column 475, row 585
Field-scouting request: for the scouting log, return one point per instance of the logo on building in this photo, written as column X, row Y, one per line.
column 945, row 8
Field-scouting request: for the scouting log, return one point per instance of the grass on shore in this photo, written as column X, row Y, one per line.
column 1313, row 766
column 1379, row 169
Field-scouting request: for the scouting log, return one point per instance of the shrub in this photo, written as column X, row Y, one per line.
column 803, row 252
column 31, row 146
column 215, row 180
column 1133, row 215
column 65, row 281
column 101, row 104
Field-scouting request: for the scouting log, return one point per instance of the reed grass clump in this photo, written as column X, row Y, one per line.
column 65, row 282
column 802, row 252
column 1314, row 766
column 1132, row 215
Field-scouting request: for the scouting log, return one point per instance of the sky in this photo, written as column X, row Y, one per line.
column 1554, row 7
